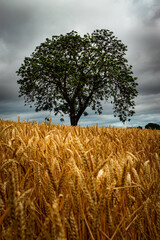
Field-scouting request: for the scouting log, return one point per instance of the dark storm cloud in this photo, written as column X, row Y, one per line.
column 144, row 41
column 8, row 84
column 150, row 51
column 17, row 34
column 148, row 104
column 16, row 23
column 13, row 21
column 7, row 93
column 145, row 89
column 156, row 15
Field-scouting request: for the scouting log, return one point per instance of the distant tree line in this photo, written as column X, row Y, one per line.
column 151, row 126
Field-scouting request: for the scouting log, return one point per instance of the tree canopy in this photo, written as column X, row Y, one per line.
column 152, row 126
column 68, row 73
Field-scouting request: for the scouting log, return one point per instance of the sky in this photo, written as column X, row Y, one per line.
column 24, row 24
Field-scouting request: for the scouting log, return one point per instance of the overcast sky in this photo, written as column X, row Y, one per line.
column 24, row 24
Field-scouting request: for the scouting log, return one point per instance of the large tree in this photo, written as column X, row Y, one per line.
column 69, row 73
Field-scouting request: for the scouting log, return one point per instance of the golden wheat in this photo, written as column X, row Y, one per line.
column 63, row 182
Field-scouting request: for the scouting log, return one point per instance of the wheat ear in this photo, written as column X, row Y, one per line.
column 12, row 199
column 20, row 222
column 74, row 227
column 52, row 180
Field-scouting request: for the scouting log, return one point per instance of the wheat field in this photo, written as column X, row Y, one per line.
column 78, row 183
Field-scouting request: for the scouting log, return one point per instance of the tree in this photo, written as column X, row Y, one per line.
column 69, row 73
column 140, row 127
column 152, row 126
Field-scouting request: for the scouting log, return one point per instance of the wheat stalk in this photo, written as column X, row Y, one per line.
column 64, row 182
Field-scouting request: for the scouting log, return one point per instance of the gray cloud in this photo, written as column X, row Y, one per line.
column 144, row 55
column 148, row 104
column 7, row 93
column 16, row 23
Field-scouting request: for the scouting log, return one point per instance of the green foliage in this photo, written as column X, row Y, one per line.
column 140, row 127
column 69, row 73
column 152, row 126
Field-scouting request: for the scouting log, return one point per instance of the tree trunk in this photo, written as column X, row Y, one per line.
column 73, row 120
